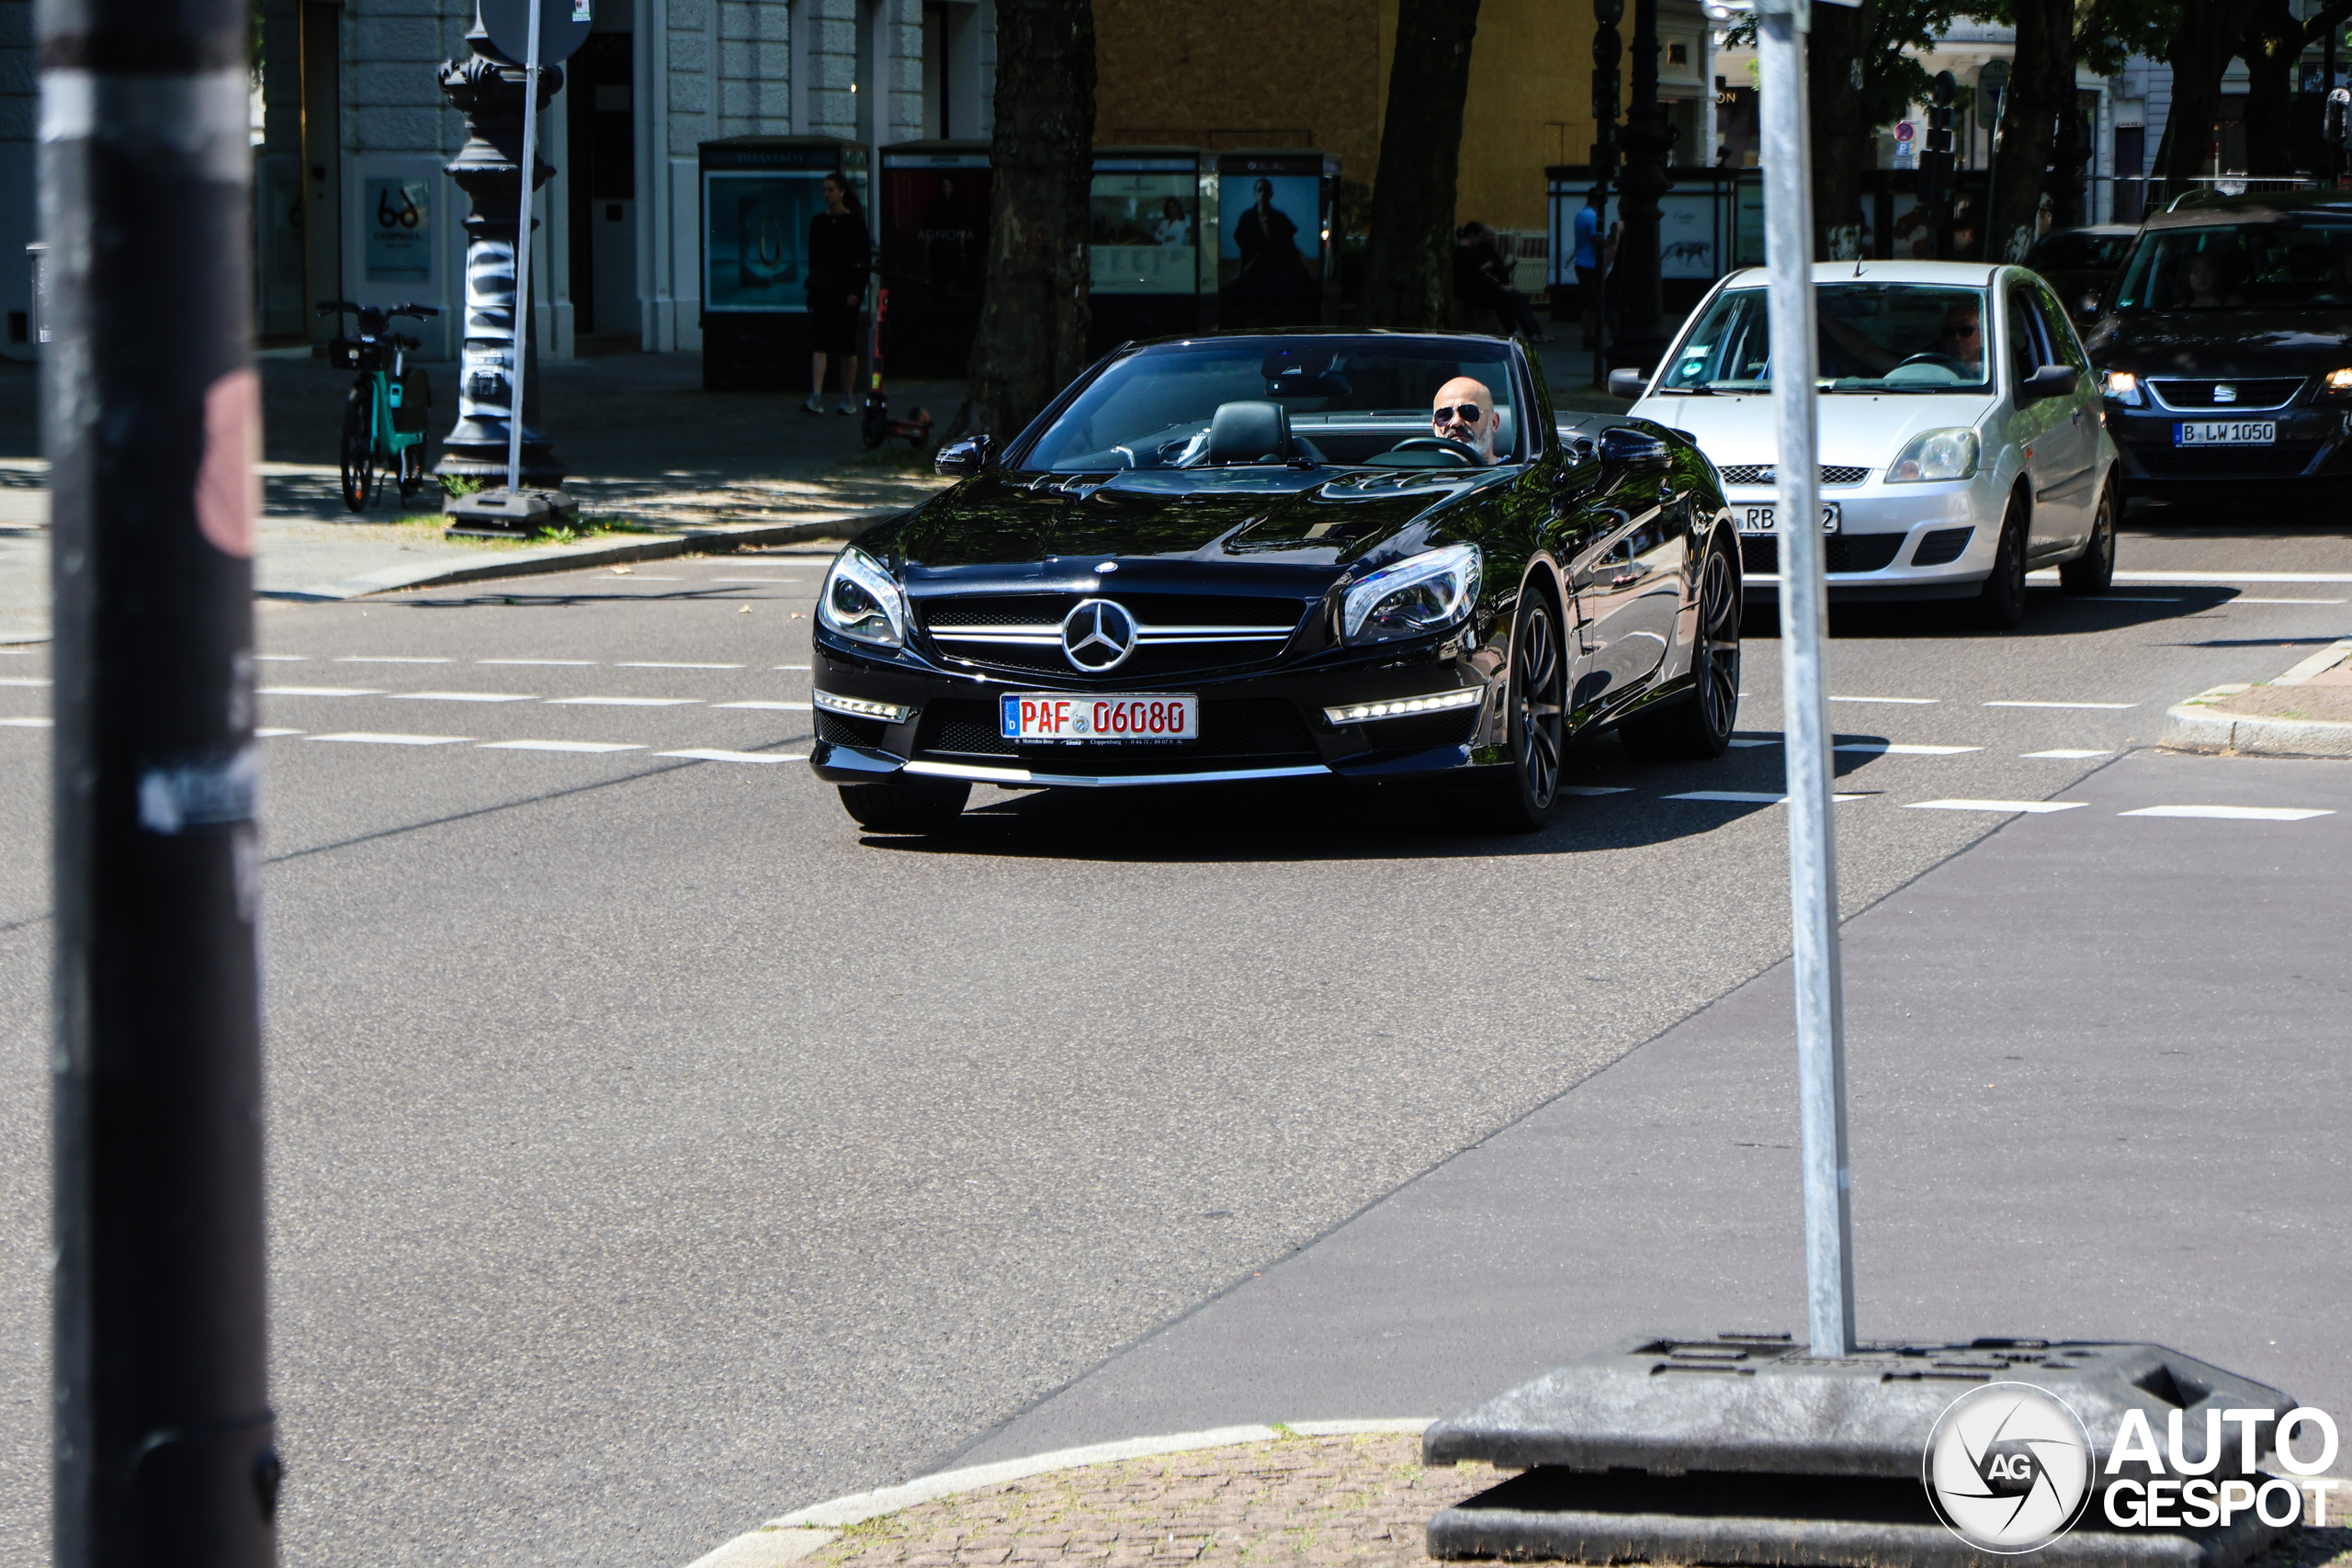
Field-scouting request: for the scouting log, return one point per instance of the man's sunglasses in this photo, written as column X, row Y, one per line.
column 1468, row 413
column 1965, row 329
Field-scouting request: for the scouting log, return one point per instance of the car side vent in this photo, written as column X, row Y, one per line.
column 1941, row 546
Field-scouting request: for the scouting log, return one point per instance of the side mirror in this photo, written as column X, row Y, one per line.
column 963, row 458
column 1628, row 384
column 1635, row 451
column 2050, row 381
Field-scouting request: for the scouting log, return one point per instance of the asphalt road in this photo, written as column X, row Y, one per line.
column 651, row 1154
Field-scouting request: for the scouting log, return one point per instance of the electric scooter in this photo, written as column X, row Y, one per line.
column 877, row 426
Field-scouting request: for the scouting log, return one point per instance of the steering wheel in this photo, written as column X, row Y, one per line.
column 1941, row 361
column 1467, row 454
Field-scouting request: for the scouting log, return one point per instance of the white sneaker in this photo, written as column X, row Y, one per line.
column 812, row 405
column 845, row 406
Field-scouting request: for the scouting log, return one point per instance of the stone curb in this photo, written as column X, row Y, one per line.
column 805, row 1531
column 2201, row 724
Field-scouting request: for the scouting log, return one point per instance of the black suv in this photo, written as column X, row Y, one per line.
column 2225, row 349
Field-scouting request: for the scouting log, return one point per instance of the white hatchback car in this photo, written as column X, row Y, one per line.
column 1951, row 465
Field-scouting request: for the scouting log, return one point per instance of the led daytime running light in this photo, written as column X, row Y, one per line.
column 1399, row 708
column 858, row 708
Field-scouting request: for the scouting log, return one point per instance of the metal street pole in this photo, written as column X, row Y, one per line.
column 1812, row 870
column 163, row 1438
column 1647, row 140
column 523, row 227
column 1607, row 50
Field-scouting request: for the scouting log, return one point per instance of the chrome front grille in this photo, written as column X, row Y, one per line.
column 1176, row 633
column 1765, row 474
column 2251, row 395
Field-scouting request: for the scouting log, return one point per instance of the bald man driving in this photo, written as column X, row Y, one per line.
column 1465, row 412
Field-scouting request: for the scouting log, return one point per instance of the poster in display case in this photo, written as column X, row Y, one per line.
column 759, row 196
column 1151, row 215
column 1272, row 254
column 933, row 255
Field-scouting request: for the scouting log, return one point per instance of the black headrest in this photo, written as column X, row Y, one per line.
column 1249, row 433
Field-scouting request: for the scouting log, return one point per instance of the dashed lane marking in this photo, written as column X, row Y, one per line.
column 26, row 723
column 1891, row 748
column 622, row 702
column 589, row 745
column 2135, row 598
column 283, row 658
column 2068, row 754
column 463, row 697
column 2233, row 813
column 28, row 680
column 658, row 664
column 1596, row 789
column 2033, row 805
column 778, row 708
column 2108, row 707
column 566, row 663
column 2242, row 600
column 785, row 666
column 1748, row 739
column 1903, row 701
column 273, row 734
column 705, row 754
column 1745, row 797
column 319, row 691
column 759, row 579
column 366, row 737
column 393, row 659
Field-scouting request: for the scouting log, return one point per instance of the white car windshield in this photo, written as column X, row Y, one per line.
column 1873, row 337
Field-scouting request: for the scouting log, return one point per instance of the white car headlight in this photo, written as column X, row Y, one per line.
column 864, row 602
column 1935, row 455
column 2122, row 386
column 1425, row 593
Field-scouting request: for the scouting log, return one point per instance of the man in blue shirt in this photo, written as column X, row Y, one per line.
column 1594, row 258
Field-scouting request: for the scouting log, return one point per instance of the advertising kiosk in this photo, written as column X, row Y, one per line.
column 1151, row 212
column 759, row 194
column 1274, row 251
column 935, row 227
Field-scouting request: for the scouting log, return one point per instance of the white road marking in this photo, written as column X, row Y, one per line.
column 622, row 702
column 658, row 664
column 43, row 680
column 1904, row 702
column 366, row 738
column 2114, row 707
column 1744, row 740
column 1592, row 789
column 2033, row 805
column 566, row 662
column 269, row 734
column 390, row 659
column 1746, row 796
column 781, row 707
column 2066, row 754
column 594, row 746
column 2233, row 576
column 283, row 658
column 1879, row 748
column 705, row 754
column 462, row 696
column 2121, row 598
column 788, row 666
column 640, row 576
column 27, row 723
column 754, row 579
column 2242, row 600
column 321, row 691
column 2232, row 813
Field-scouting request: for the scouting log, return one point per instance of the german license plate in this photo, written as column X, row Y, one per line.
column 1059, row 716
column 2226, row 432
column 1759, row 519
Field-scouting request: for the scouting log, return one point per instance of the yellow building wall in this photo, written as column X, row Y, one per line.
column 1315, row 73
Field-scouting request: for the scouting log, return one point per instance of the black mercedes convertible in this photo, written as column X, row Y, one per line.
column 1261, row 557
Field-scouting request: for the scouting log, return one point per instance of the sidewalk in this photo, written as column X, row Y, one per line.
column 2307, row 712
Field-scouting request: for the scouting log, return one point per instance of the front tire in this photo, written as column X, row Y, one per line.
column 1697, row 727
column 2000, row 604
column 359, row 447
column 2093, row 571
column 1535, row 720
column 905, row 808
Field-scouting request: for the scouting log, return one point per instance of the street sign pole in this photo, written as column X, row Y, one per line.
column 523, row 226
column 1781, row 27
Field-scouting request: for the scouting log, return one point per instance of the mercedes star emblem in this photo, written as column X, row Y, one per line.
column 1098, row 635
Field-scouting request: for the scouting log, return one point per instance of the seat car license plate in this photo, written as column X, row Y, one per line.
column 1759, row 519
column 2226, row 432
column 1059, row 716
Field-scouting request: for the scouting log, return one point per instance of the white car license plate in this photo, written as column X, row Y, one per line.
column 1759, row 519
column 2226, row 432
column 1059, row 716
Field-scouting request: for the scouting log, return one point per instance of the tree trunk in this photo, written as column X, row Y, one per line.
column 2041, row 88
column 2273, row 42
column 1408, row 256
column 1034, row 318
column 1844, row 141
column 2201, row 51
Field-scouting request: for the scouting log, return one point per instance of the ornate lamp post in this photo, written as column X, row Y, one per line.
column 487, row 88
column 1642, row 334
column 1606, row 52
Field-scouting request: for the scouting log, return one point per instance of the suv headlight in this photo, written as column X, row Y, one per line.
column 2122, row 386
column 1422, row 594
column 864, row 602
column 2337, row 383
column 1935, row 455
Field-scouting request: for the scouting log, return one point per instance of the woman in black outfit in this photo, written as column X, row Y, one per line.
column 839, row 259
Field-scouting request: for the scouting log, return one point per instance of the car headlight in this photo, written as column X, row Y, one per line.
column 1935, row 455
column 1425, row 593
column 2337, row 383
column 864, row 602
column 2122, row 386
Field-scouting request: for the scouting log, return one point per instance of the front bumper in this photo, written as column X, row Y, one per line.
column 1893, row 542
column 2312, row 448
column 1259, row 726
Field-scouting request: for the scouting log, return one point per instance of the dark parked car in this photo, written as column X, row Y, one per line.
column 1251, row 557
column 2225, row 356
column 2080, row 264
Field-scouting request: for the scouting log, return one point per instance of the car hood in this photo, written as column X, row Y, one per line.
column 2252, row 342
column 1301, row 526
column 1860, row 430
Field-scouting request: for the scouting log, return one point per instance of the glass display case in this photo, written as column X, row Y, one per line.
column 1274, row 249
column 935, row 236
column 1149, row 211
column 758, row 196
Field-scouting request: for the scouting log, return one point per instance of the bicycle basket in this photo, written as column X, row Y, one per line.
column 355, row 354
column 415, row 402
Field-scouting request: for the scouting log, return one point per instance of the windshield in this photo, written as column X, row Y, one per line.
column 1874, row 337
column 1347, row 399
column 2075, row 250
column 2270, row 263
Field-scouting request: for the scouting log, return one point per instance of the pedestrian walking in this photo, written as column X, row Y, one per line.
column 840, row 258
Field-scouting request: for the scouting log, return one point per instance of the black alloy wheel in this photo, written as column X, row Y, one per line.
column 1698, row 725
column 2000, row 604
column 2093, row 571
column 906, row 808
column 1536, row 717
column 358, row 446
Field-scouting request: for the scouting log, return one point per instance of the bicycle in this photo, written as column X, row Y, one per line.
column 384, row 416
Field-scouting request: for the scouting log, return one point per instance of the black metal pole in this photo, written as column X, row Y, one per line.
column 1607, row 50
column 1641, row 336
column 164, row 1437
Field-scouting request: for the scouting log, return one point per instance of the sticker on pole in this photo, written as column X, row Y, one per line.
column 2008, row 1468
column 563, row 28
